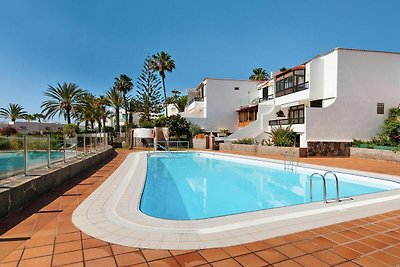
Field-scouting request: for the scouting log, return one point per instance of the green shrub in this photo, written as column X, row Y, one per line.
column 71, row 129
column 194, row 129
column 280, row 136
column 245, row 141
column 5, row 144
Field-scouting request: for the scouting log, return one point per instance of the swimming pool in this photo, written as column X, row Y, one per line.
column 13, row 162
column 115, row 212
column 192, row 186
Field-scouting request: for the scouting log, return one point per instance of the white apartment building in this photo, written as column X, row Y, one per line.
column 31, row 127
column 334, row 97
column 213, row 103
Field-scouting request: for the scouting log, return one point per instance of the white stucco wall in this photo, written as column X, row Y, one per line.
column 363, row 80
column 221, row 102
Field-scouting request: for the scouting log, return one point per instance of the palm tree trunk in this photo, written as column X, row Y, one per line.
column 68, row 116
column 86, row 125
column 100, row 126
column 165, row 97
column 104, row 124
column 117, row 120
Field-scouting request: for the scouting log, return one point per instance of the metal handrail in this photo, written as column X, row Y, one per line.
column 323, row 179
column 337, row 184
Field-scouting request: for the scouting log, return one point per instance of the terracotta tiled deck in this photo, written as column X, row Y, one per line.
column 42, row 234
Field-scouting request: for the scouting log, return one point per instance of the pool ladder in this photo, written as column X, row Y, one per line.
column 324, row 183
column 290, row 160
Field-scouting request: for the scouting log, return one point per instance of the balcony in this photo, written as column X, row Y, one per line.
column 195, row 103
column 289, row 121
column 292, row 89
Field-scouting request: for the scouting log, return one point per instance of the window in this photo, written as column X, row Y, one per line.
column 236, row 88
column 316, row 103
column 380, row 108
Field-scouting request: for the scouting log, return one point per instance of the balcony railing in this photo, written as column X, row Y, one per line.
column 291, row 90
column 265, row 98
column 196, row 99
column 287, row 121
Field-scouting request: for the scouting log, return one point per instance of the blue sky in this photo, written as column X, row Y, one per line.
column 89, row 42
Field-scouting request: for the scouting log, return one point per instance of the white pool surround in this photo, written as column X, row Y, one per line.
column 111, row 213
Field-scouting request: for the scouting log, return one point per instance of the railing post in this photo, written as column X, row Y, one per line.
column 64, row 147
column 84, row 144
column 25, row 155
column 91, row 142
column 76, row 145
column 95, row 142
column 48, row 151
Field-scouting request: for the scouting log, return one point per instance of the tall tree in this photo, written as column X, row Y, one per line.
column 115, row 99
column 64, row 100
column 124, row 84
column 148, row 99
column 259, row 74
column 162, row 62
column 39, row 117
column 13, row 112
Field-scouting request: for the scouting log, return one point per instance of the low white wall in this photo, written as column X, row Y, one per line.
column 259, row 149
column 143, row 133
column 199, row 143
column 375, row 154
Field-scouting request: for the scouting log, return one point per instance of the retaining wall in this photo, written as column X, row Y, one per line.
column 375, row 154
column 272, row 150
column 19, row 190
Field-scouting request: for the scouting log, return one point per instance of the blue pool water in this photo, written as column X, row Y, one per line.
column 14, row 161
column 189, row 186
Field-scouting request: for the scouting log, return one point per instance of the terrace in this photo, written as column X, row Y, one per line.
column 42, row 234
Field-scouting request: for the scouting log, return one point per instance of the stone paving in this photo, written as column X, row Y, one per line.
column 42, row 234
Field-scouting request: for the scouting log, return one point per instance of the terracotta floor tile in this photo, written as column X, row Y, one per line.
column 308, row 246
column 395, row 251
column 322, row 231
column 394, row 234
column 350, row 264
column 62, row 238
column 271, row 255
column 9, row 264
column 15, row 255
column 288, row 263
column 363, row 231
column 97, row 252
column 190, row 259
column 130, row 258
column 256, row 246
column 117, row 249
column 67, row 247
column 290, row 251
column 214, row 254
column 225, row 263
column 345, row 252
column 276, row 241
column 352, row 235
column 36, row 262
column 338, row 238
column 251, row 260
column 38, row 242
column 386, row 239
column 103, row 262
column 307, row 234
column 67, row 258
column 372, row 242
column 385, row 258
column 236, row 250
column 369, row 261
column 329, row 257
column 37, row 252
column 92, row 243
column 167, row 262
column 155, row 254
column 180, row 252
column 360, row 247
column 309, row 260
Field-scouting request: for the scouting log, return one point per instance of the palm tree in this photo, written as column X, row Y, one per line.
column 259, row 74
column 39, row 117
column 124, row 84
column 13, row 112
column 163, row 62
column 64, row 100
column 86, row 110
column 114, row 99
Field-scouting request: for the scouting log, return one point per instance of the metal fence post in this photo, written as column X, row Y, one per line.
column 48, row 151
column 91, row 142
column 76, row 145
column 95, row 142
column 84, row 144
column 25, row 155
column 64, row 147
